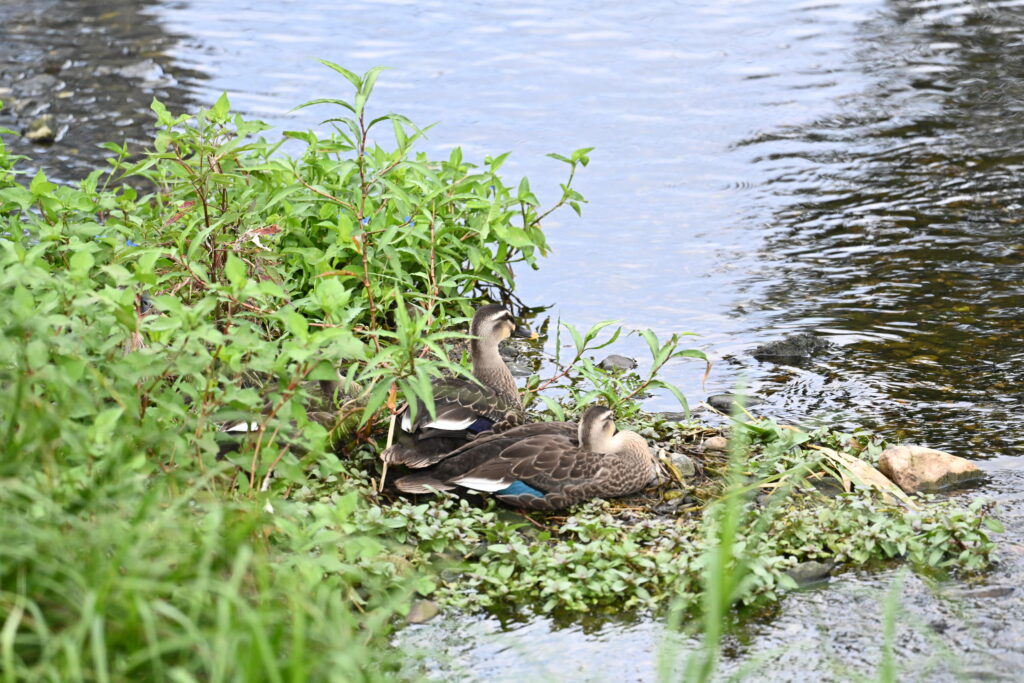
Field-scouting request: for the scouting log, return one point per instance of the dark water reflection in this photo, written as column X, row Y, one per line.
column 902, row 227
column 850, row 167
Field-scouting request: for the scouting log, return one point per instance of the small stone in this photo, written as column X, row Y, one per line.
column 683, row 463
column 989, row 592
column 810, row 571
column 42, row 129
column 617, row 362
column 715, row 443
column 40, row 84
column 792, row 349
column 724, row 402
column 916, row 468
column 520, row 367
column 421, row 611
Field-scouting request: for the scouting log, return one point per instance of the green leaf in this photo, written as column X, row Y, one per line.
column 81, row 262
column 577, row 340
column 352, row 78
column 297, row 325
column 103, row 425
column 40, row 186
column 236, row 271
column 221, row 108
column 163, row 117
column 993, row 524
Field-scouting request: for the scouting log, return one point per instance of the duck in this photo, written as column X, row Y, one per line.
column 548, row 471
column 464, row 408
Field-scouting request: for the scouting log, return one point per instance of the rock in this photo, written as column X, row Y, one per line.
column 617, row 362
column 421, row 611
column 915, row 468
column 792, row 349
column 671, row 416
column 724, row 402
column 683, row 463
column 989, row 592
column 715, row 443
column 40, row 84
column 810, row 571
column 42, row 129
column 508, row 351
column 520, row 366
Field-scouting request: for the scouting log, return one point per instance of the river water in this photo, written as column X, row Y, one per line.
column 850, row 168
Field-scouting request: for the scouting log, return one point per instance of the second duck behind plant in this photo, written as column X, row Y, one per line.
column 462, row 407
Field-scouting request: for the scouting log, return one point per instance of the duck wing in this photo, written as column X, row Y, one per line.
column 461, row 408
column 465, row 458
column 539, row 473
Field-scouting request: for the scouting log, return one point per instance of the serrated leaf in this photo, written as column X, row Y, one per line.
column 40, row 186
column 221, row 108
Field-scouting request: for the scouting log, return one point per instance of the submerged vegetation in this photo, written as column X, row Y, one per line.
column 218, row 279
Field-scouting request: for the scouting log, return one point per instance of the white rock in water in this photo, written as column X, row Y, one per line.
column 916, row 468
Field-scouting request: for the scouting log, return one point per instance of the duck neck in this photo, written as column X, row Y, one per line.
column 489, row 368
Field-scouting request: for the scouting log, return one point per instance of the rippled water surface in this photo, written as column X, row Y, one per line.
column 849, row 168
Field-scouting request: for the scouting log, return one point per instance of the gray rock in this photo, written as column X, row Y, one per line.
column 617, row 362
column 989, row 592
column 508, row 351
column 810, row 571
column 40, row 84
column 792, row 349
column 724, row 402
column 520, row 367
column 683, row 463
column 42, row 129
column 421, row 611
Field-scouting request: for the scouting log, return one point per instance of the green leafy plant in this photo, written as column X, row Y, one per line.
column 580, row 381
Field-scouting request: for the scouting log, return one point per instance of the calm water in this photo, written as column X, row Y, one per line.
column 850, row 168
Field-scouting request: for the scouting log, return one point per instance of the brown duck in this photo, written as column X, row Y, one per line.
column 547, row 471
column 463, row 408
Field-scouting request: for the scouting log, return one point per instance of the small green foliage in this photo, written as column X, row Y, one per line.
column 581, row 381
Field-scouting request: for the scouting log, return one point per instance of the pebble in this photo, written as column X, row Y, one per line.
column 617, row 362
column 42, row 129
column 810, row 571
column 683, row 463
column 724, row 402
column 715, row 443
column 422, row 611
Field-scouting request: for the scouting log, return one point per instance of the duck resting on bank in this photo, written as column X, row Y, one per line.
column 463, row 408
column 547, row 471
